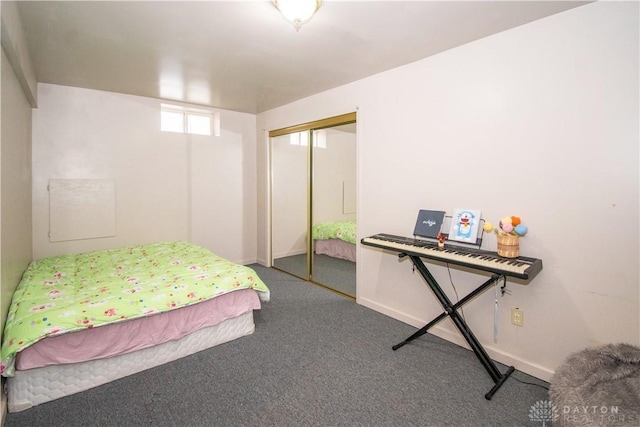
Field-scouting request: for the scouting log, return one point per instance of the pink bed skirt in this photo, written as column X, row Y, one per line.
column 336, row 248
column 128, row 336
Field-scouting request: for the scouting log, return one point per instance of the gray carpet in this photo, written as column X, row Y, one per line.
column 334, row 273
column 316, row 359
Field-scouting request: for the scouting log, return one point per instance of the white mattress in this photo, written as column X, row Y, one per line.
column 35, row 386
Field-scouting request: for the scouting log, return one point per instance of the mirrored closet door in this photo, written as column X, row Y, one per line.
column 313, row 202
column 289, row 203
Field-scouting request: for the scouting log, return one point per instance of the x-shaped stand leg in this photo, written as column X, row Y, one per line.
column 451, row 310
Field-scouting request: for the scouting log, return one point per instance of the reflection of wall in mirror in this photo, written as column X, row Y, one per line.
column 349, row 197
column 289, row 198
column 335, row 167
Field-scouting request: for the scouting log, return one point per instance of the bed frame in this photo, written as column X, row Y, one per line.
column 36, row 386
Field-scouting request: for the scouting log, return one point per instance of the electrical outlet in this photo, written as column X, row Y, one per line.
column 517, row 316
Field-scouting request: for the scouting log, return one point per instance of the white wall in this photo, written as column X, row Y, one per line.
column 541, row 122
column 167, row 185
column 18, row 96
column 15, row 191
column 15, row 223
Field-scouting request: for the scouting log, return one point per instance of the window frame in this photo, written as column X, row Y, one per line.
column 187, row 113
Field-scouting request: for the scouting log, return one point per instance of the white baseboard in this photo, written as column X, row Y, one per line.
column 454, row 337
column 263, row 262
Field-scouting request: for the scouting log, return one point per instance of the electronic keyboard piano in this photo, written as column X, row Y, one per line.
column 500, row 267
column 521, row 267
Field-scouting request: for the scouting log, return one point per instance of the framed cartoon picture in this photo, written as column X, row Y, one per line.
column 465, row 224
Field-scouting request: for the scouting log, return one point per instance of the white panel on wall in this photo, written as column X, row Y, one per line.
column 81, row 209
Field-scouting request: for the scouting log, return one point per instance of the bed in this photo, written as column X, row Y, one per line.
column 79, row 321
column 336, row 239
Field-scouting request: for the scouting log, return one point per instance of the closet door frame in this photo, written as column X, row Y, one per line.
column 308, row 128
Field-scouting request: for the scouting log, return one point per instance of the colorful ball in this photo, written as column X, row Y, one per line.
column 515, row 221
column 506, row 220
column 507, row 228
column 521, row 229
column 488, row 226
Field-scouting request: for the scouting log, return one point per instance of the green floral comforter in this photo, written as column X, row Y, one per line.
column 343, row 230
column 73, row 292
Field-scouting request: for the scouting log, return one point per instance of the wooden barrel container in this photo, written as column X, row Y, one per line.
column 508, row 245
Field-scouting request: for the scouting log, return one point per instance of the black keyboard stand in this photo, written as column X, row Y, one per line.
column 451, row 310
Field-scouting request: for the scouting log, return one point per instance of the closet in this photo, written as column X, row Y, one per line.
column 313, row 202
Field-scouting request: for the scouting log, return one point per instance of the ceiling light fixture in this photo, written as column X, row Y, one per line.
column 297, row 11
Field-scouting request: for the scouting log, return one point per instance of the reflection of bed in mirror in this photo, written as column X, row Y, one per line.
column 336, row 239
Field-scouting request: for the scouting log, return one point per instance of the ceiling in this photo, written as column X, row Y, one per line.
column 243, row 55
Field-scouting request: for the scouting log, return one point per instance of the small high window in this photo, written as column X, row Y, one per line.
column 183, row 120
